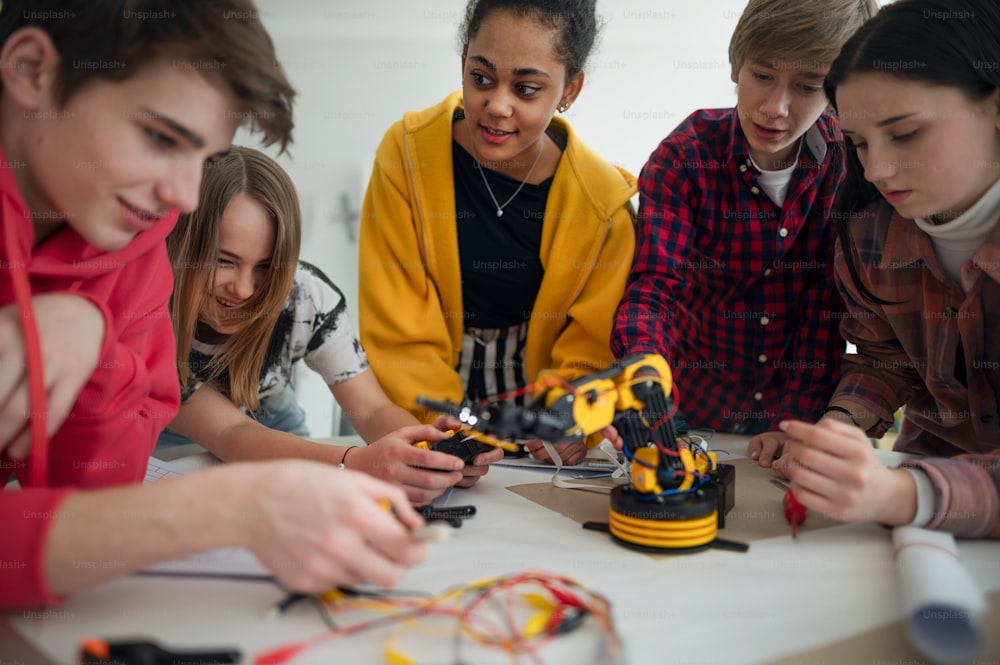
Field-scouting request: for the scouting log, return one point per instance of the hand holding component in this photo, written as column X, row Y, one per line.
column 317, row 527
column 461, row 444
column 570, row 453
column 475, row 455
column 424, row 474
column 834, row 469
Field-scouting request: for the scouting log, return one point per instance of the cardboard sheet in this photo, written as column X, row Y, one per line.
column 756, row 515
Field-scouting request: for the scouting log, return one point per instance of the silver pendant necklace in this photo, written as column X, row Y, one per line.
column 517, row 191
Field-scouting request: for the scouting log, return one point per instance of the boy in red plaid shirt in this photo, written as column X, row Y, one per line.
column 733, row 274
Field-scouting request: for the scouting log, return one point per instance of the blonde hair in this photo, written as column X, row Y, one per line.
column 806, row 34
column 194, row 251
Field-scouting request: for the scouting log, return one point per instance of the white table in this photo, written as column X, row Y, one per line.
column 781, row 598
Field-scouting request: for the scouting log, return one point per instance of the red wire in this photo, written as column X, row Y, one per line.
column 37, row 406
column 558, row 587
column 547, row 382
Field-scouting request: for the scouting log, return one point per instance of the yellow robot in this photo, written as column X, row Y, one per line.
column 677, row 498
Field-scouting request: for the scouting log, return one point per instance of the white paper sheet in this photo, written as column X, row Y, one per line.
column 942, row 606
column 157, row 468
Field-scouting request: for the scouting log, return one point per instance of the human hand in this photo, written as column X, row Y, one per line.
column 834, row 469
column 783, row 458
column 479, row 467
column 423, row 474
column 571, row 452
column 611, row 434
column 71, row 333
column 316, row 527
column 766, row 448
column 445, row 423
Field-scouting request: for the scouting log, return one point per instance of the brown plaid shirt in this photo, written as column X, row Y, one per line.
column 937, row 352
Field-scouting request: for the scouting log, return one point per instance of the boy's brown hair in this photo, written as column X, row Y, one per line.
column 114, row 39
column 803, row 34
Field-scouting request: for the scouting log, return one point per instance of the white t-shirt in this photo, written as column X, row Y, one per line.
column 313, row 326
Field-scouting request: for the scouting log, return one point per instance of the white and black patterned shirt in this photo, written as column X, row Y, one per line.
column 313, row 326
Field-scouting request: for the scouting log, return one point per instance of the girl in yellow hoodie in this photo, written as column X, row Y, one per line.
column 494, row 243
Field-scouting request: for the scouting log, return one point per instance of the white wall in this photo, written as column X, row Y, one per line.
column 359, row 65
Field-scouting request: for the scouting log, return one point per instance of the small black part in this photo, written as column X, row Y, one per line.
column 727, row 476
column 446, row 513
column 603, row 527
column 730, row 545
column 571, row 622
column 149, row 653
column 461, row 446
column 520, row 452
column 678, row 507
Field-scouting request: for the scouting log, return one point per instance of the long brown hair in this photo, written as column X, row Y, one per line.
column 194, row 251
column 946, row 43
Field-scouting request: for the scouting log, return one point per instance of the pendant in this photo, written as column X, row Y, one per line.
column 499, row 212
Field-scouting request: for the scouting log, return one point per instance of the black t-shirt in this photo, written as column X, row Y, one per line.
column 499, row 256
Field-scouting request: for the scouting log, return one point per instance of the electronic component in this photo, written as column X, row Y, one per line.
column 460, row 444
column 678, row 495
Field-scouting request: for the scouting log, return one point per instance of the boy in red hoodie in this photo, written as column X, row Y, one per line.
column 109, row 111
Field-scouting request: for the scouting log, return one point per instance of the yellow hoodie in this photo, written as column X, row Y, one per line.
column 410, row 302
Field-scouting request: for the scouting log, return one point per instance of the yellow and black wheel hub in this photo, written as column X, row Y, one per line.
column 680, row 523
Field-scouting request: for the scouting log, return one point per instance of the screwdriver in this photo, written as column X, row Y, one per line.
column 795, row 512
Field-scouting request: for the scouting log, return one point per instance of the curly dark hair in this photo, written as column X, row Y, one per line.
column 576, row 21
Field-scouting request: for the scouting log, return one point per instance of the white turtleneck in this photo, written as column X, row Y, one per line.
column 955, row 241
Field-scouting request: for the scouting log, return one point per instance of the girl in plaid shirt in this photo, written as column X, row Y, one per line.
column 918, row 263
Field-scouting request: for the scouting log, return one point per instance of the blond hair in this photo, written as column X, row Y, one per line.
column 806, row 34
column 194, row 251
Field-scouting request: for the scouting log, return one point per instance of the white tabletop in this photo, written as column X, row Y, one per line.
column 781, row 598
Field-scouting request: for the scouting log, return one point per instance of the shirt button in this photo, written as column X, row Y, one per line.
column 758, row 396
column 755, row 190
column 783, row 233
column 743, row 168
column 762, row 358
column 764, row 320
column 767, row 272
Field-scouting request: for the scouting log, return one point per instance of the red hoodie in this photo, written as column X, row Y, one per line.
column 131, row 396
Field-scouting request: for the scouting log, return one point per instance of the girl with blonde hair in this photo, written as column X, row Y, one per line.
column 245, row 309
